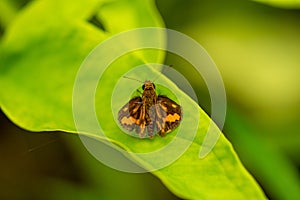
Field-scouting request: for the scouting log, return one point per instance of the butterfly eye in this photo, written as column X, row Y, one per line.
column 143, row 87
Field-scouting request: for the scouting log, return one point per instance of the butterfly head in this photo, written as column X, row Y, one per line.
column 148, row 85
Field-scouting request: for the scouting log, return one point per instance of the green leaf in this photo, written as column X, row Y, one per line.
column 41, row 55
column 8, row 12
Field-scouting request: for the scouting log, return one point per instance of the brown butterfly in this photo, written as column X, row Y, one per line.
column 150, row 113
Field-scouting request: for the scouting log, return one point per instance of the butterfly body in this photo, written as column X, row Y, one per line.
column 150, row 113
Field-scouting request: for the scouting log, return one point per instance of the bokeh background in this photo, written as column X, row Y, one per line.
column 256, row 47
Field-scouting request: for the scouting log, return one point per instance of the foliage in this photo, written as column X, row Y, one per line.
column 41, row 53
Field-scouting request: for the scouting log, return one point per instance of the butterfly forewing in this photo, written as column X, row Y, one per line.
column 168, row 115
column 129, row 114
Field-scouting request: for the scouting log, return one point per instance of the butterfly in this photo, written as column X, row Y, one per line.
column 150, row 113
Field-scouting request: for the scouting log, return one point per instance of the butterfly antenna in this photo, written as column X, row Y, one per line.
column 133, row 79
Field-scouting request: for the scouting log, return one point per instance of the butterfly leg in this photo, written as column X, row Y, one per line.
column 141, row 93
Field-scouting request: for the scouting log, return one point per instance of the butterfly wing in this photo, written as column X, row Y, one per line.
column 129, row 114
column 168, row 115
column 133, row 116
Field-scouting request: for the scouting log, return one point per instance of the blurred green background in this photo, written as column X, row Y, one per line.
column 257, row 49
